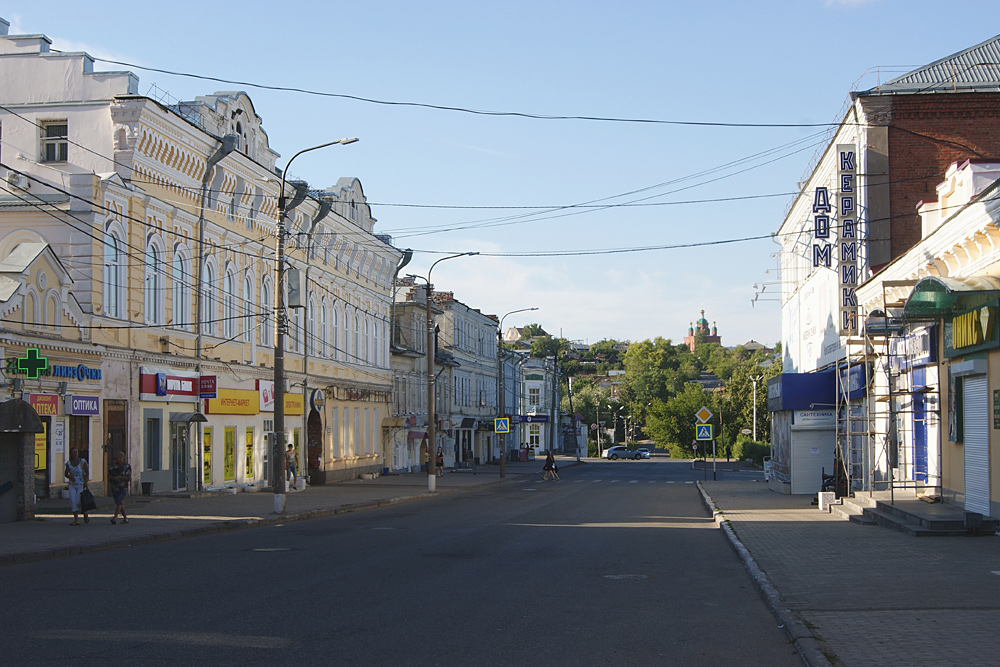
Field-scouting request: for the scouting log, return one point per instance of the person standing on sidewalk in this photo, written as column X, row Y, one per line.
column 439, row 462
column 290, row 464
column 77, row 472
column 120, row 477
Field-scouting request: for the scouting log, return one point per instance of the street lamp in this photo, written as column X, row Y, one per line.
column 280, row 327
column 431, row 425
column 503, row 436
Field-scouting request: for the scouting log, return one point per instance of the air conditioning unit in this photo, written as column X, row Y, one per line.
column 16, row 180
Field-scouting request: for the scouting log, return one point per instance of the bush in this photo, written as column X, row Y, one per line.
column 751, row 449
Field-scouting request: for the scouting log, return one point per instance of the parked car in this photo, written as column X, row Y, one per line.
column 620, row 452
column 645, row 453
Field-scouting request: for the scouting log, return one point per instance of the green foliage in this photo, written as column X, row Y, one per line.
column 532, row 330
column 746, row 448
column 656, row 370
column 547, row 346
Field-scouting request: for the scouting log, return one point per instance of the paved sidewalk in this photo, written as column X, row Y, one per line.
column 167, row 517
column 864, row 595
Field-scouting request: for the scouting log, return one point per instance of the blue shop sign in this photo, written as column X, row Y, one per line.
column 801, row 391
column 854, row 381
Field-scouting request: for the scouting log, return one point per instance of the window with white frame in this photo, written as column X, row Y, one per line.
column 114, row 273
column 153, row 283
column 208, row 309
column 368, row 341
column 266, row 307
column 246, row 323
column 230, row 315
column 324, row 331
column 181, row 284
column 55, row 141
column 534, row 397
column 357, row 350
column 534, row 435
column 335, row 332
column 311, row 334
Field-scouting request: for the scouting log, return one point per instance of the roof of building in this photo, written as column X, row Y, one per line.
column 975, row 69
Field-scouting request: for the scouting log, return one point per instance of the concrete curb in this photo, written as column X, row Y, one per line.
column 808, row 647
column 240, row 524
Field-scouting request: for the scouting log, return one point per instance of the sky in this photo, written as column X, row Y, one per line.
column 611, row 225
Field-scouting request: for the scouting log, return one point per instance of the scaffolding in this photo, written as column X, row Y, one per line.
column 884, row 429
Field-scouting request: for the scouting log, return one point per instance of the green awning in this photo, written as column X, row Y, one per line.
column 933, row 297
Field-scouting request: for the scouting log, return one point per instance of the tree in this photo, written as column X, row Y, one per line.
column 656, row 370
column 547, row 346
column 532, row 330
column 671, row 423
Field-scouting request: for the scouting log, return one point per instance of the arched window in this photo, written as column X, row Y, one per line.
column 247, row 321
column 267, row 313
column 114, row 273
column 335, row 332
column 229, row 313
column 358, row 350
column 324, row 331
column 209, row 307
column 153, row 282
column 368, row 342
column 376, row 345
column 181, row 277
column 311, row 334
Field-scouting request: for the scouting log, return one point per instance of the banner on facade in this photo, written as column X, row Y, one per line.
column 160, row 384
column 83, row 405
column 45, row 404
column 232, row 402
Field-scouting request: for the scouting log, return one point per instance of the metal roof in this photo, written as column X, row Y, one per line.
column 976, row 69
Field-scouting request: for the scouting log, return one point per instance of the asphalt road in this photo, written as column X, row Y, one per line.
column 618, row 563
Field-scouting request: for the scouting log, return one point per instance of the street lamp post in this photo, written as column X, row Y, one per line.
column 503, row 436
column 600, row 450
column 280, row 328
column 431, row 425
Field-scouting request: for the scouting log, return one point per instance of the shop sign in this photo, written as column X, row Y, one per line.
column 294, row 404
column 82, row 405
column 45, row 404
column 161, row 384
column 913, row 350
column 853, row 381
column 233, row 402
column 35, row 366
column 207, row 386
column 847, row 258
column 971, row 331
column 814, row 418
column 317, row 399
column 534, row 419
column 265, row 394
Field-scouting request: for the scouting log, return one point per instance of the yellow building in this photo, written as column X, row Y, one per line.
column 163, row 220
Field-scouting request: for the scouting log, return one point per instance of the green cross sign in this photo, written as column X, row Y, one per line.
column 32, row 363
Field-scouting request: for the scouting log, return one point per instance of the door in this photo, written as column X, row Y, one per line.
column 42, row 459
column 206, row 440
column 249, row 470
column 115, row 432
column 229, row 454
column 977, row 452
column 179, row 455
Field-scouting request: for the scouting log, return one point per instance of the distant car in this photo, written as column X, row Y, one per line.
column 644, row 452
column 620, row 452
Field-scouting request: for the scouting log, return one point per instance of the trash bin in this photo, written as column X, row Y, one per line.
column 147, row 488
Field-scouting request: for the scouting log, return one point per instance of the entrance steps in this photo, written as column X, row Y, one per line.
column 913, row 516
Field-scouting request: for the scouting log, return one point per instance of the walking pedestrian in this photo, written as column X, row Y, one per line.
column 439, row 462
column 549, row 467
column 290, row 464
column 77, row 472
column 120, row 477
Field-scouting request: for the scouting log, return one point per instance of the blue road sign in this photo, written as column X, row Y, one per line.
column 501, row 425
column 703, row 432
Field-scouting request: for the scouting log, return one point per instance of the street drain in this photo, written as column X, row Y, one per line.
column 630, row 577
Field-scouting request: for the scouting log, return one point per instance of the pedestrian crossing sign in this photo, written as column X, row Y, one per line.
column 703, row 432
column 501, row 425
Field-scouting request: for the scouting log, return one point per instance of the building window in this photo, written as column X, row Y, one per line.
column 229, row 314
column 114, row 271
column 266, row 327
column 324, row 332
column 247, row 320
column 55, row 146
column 151, row 450
column 311, row 326
column 534, row 398
column 208, row 304
column 154, row 284
column 534, row 435
column 358, row 350
column 334, row 333
column 181, row 292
